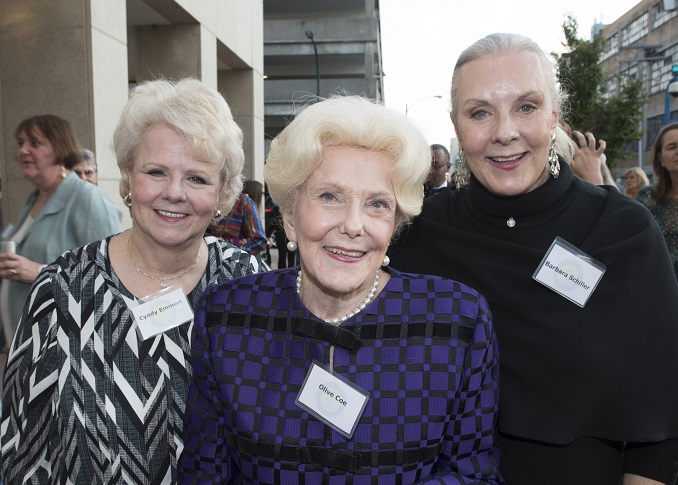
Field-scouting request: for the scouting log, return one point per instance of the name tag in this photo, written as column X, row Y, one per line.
column 569, row 272
column 332, row 399
column 162, row 312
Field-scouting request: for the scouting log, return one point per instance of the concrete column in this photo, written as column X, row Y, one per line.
column 208, row 57
column 245, row 97
column 51, row 61
column 169, row 51
column 108, row 80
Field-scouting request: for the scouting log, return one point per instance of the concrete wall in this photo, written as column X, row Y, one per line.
column 77, row 58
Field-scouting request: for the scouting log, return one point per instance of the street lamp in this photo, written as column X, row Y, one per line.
column 309, row 34
column 420, row 99
column 671, row 90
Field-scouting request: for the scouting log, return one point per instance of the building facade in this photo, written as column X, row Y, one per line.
column 79, row 58
column 315, row 48
column 643, row 44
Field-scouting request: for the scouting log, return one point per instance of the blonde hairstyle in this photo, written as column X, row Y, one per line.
column 643, row 181
column 565, row 146
column 502, row 43
column 192, row 109
column 351, row 121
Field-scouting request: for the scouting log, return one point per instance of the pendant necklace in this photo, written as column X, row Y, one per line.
column 163, row 280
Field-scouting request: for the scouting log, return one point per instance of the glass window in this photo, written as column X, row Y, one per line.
column 635, row 30
column 661, row 16
column 611, row 48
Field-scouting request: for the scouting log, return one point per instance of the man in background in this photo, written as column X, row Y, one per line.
column 87, row 169
column 437, row 179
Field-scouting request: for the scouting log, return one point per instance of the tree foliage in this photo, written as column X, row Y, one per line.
column 614, row 118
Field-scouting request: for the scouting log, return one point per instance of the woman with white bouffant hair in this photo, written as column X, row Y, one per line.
column 98, row 374
column 342, row 368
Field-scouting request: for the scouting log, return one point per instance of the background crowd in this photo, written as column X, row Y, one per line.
column 513, row 321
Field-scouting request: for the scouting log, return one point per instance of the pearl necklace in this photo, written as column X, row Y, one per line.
column 368, row 299
column 163, row 281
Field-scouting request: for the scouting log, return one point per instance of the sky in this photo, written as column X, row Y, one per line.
column 422, row 39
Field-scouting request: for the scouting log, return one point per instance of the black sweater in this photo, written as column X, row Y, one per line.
column 608, row 370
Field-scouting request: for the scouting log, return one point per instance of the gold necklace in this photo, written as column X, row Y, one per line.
column 163, row 281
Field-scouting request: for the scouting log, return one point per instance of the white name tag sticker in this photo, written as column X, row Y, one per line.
column 162, row 312
column 332, row 399
column 569, row 272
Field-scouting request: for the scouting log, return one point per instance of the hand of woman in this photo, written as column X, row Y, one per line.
column 17, row 268
column 586, row 161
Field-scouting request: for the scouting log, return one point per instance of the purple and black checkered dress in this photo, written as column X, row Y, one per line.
column 424, row 349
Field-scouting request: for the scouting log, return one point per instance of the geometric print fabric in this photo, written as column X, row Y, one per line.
column 87, row 400
column 424, row 349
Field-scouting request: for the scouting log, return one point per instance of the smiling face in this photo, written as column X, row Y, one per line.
column 505, row 120
column 343, row 222
column 38, row 161
column 174, row 196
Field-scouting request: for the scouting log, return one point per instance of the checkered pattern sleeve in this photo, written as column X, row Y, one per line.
column 424, row 350
column 470, row 453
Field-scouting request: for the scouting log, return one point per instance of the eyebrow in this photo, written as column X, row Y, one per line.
column 522, row 97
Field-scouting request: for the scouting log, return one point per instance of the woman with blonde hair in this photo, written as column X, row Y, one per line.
column 635, row 179
column 98, row 373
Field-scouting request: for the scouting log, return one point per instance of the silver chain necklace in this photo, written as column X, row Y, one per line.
column 368, row 299
column 163, row 281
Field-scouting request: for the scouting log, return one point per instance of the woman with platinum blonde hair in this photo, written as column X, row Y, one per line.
column 577, row 276
column 98, row 374
column 343, row 368
column 635, row 179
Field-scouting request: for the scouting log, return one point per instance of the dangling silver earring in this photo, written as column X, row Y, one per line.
column 217, row 215
column 554, row 164
column 291, row 246
column 462, row 174
column 128, row 200
column 387, row 261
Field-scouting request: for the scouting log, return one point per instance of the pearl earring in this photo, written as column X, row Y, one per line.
column 291, row 246
column 387, row 261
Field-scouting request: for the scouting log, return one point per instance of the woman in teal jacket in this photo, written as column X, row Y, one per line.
column 62, row 213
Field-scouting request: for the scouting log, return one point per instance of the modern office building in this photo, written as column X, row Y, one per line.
column 315, row 48
column 643, row 44
column 79, row 58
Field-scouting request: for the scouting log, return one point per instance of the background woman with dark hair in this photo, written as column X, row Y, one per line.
column 662, row 198
column 62, row 213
